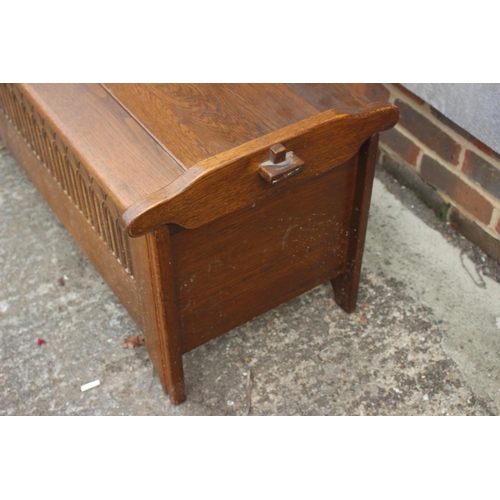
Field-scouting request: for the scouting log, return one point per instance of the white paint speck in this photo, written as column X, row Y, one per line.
column 425, row 397
column 4, row 306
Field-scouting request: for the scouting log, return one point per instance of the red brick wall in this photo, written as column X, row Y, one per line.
column 465, row 171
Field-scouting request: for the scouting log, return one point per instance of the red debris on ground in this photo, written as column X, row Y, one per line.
column 41, row 342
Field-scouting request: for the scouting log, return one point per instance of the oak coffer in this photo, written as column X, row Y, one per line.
column 203, row 206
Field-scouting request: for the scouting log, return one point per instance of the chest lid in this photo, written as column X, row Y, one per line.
column 191, row 153
column 194, row 122
column 224, row 135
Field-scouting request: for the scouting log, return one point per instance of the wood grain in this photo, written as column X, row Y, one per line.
column 252, row 260
column 325, row 96
column 166, row 315
column 229, row 181
column 346, row 286
column 116, row 150
column 195, row 122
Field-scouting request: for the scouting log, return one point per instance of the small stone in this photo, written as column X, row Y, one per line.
column 425, row 397
column 230, row 403
column 498, row 322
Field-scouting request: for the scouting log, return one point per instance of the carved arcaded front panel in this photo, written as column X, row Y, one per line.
column 68, row 171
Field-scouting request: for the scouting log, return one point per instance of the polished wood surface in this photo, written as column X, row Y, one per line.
column 325, row 96
column 346, row 285
column 203, row 206
column 196, row 121
column 241, row 265
column 167, row 329
column 119, row 155
column 229, row 181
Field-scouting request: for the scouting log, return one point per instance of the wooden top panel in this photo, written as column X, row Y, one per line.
column 324, row 96
column 230, row 180
column 190, row 153
column 197, row 121
column 126, row 162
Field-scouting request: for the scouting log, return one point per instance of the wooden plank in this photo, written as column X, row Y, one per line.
column 324, row 96
column 196, row 121
column 250, row 261
column 166, row 335
column 116, row 150
column 345, row 286
column 230, row 180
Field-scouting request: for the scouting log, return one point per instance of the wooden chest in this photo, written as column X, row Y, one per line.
column 203, row 206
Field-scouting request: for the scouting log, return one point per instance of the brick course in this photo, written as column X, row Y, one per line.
column 482, row 172
column 474, row 233
column 465, row 171
column 431, row 135
column 468, row 137
column 404, row 147
column 447, row 182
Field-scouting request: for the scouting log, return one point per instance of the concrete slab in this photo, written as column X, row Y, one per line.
column 424, row 339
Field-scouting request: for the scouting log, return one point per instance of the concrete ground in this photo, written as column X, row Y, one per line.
column 424, row 340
